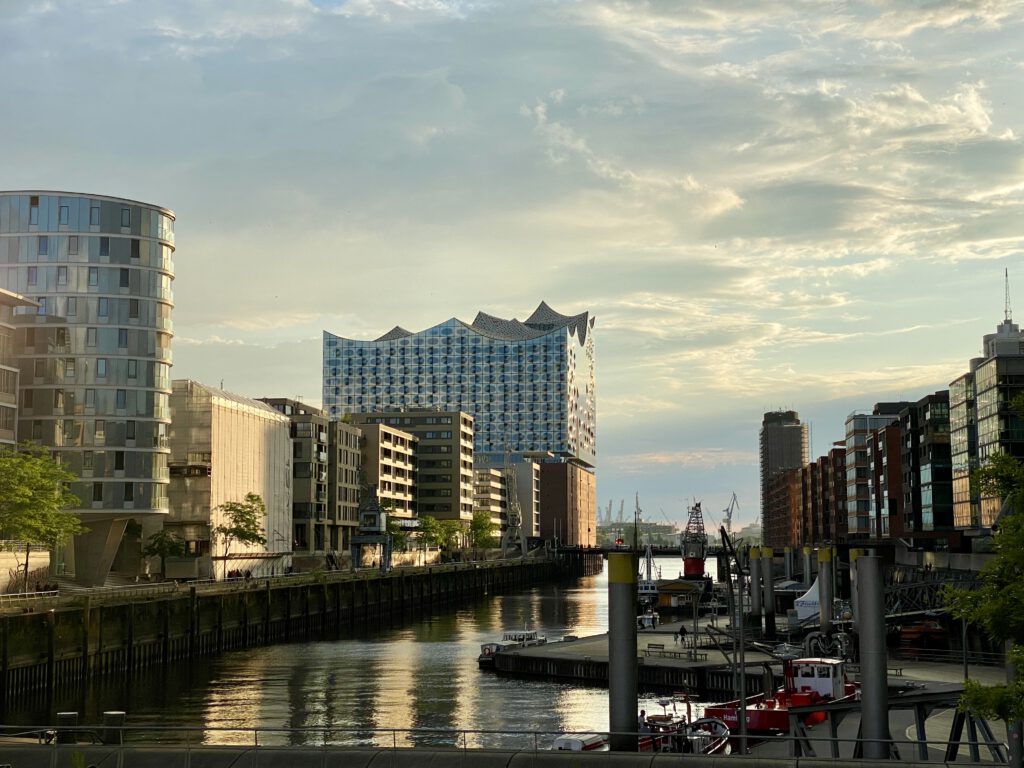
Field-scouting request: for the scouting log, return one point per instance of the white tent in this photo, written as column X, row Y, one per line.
column 808, row 603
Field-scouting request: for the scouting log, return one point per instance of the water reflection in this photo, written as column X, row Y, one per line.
column 419, row 676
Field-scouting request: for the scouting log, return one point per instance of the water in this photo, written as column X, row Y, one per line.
column 420, row 676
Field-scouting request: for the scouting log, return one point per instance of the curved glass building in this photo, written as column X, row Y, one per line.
column 95, row 355
column 529, row 385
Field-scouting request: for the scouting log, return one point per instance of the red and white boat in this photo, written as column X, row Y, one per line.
column 807, row 682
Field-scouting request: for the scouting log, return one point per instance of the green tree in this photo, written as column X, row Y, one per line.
column 481, row 530
column 399, row 535
column 243, row 523
column 440, row 533
column 163, row 544
column 34, row 498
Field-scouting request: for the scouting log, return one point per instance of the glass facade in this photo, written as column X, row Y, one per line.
column 95, row 355
column 529, row 385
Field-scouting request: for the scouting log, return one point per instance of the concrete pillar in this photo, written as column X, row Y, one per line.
column 808, row 573
column 854, row 554
column 755, row 584
column 787, row 560
column 825, row 589
column 768, row 574
column 874, row 683
column 622, row 661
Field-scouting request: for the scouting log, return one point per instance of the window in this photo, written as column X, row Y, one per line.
column 73, row 245
column 94, row 276
column 62, row 275
column 129, row 430
column 124, row 278
column 58, row 402
column 133, row 369
column 63, row 214
column 135, row 250
column 133, row 309
column 103, row 307
column 87, row 460
column 69, row 367
column 126, row 217
column 39, row 368
column 122, row 338
column 97, row 492
column 129, row 492
column 72, row 306
column 120, row 399
column 26, row 398
column 33, row 211
column 33, row 275
column 42, row 305
column 101, row 368
column 90, row 398
column 94, row 216
column 43, row 243
column 37, row 430
column 119, row 461
column 101, row 432
column 90, row 337
column 104, row 246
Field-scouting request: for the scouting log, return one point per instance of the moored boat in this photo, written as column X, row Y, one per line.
column 670, row 733
column 520, row 638
column 807, row 682
column 581, row 742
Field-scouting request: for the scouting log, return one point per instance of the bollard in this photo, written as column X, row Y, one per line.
column 113, row 727
column 622, row 659
column 67, row 722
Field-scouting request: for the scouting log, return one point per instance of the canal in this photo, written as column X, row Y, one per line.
column 375, row 687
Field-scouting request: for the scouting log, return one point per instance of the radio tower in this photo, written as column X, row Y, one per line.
column 1007, row 314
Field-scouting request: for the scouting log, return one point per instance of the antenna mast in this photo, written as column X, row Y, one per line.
column 1007, row 314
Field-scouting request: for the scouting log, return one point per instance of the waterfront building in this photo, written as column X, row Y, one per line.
column 9, row 371
column 325, row 483
column 982, row 422
column 783, row 446
column 388, row 459
column 223, row 447
column 927, row 474
column 529, row 385
column 95, row 354
column 444, row 458
column 525, row 477
column 568, row 503
column 859, row 426
column 490, row 496
column 885, row 486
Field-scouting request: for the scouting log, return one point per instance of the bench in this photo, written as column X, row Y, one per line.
column 654, row 647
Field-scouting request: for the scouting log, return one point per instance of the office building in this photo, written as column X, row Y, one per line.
column 928, row 474
column 860, row 516
column 528, row 385
column 224, row 447
column 444, row 458
column 95, row 355
column 783, row 446
column 388, row 458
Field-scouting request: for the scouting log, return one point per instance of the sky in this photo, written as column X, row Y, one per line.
column 802, row 205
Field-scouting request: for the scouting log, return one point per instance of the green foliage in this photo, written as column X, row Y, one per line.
column 163, row 544
column 34, row 498
column 244, row 522
column 481, row 530
column 399, row 536
column 440, row 533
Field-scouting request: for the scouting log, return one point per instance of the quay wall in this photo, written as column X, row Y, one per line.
column 68, row 642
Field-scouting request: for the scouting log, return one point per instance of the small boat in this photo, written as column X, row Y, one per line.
column 807, row 682
column 520, row 638
column 670, row 733
column 581, row 742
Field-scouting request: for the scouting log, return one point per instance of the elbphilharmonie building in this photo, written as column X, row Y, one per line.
column 529, row 384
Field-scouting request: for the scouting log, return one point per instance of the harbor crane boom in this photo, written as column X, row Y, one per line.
column 734, row 505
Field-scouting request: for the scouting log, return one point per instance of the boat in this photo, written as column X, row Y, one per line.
column 808, row 681
column 510, row 641
column 672, row 733
column 581, row 742
column 647, row 583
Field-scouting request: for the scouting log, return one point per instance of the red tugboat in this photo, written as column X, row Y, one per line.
column 808, row 682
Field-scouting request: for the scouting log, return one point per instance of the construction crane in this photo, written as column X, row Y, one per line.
column 734, row 505
column 608, row 514
column 622, row 508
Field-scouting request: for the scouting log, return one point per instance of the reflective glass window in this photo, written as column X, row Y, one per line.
column 32, row 275
column 104, row 246
column 122, row 337
column 62, row 275
column 126, row 217
column 103, row 307
column 94, row 276
column 33, row 213
column 94, row 216
column 63, row 214
column 97, row 491
column 129, row 492
column 73, row 245
column 135, row 249
column 101, row 367
column 90, row 337
column 133, row 308
column 44, row 245
column 121, row 399
column 124, row 278
column 72, row 306
column 133, row 367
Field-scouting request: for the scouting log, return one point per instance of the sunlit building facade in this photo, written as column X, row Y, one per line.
column 95, row 354
column 9, row 371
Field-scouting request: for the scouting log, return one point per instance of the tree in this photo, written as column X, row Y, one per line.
column 243, row 523
column 163, row 544
column 481, row 530
column 399, row 535
column 440, row 533
column 34, row 498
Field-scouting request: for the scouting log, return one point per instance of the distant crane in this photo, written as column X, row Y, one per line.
column 622, row 508
column 734, row 505
column 608, row 514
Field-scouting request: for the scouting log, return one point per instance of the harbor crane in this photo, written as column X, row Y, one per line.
column 734, row 505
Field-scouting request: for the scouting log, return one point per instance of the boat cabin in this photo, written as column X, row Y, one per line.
column 581, row 742
column 522, row 636
column 826, row 677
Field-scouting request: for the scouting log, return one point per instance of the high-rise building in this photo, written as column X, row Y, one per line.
column 528, row 385
column 9, row 372
column 784, row 446
column 95, row 355
column 860, row 516
column 927, row 473
column 224, row 447
column 388, row 460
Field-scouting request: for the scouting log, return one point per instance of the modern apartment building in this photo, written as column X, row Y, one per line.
column 928, row 474
column 528, row 385
column 568, row 503
column 325, row 483
column 783, row 446
column 9, row 371
column 224, row 447
column 885, row 486
column 388, row 459
column 859, row 426
column 490, row 495
column 525, row 481
column 444, row 458
column 95, row 356
column 982, row 422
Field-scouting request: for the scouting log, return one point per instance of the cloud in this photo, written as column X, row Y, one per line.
column 704, row 458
